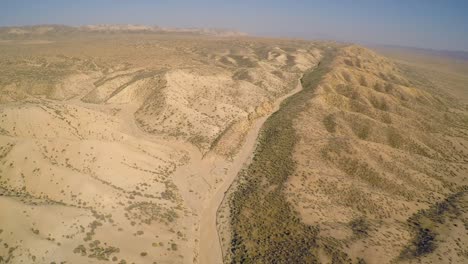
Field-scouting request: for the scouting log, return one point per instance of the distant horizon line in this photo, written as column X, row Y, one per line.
column 116, row 24
column 364, row 43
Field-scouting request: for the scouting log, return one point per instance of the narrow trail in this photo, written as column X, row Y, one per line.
column 210, row 248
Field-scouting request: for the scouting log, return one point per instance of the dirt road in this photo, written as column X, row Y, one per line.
column 209, row 247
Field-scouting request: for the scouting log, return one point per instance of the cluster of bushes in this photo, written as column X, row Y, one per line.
column 147, row 212
column 330, row 123
column 423, row 224
column 360, row 227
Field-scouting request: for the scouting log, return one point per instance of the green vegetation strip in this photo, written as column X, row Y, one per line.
column 424, row 223
column 265, row 229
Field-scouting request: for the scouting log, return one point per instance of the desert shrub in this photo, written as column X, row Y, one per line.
column 174, row 246
column 361, row 261
column 361, row 127
column 102, row 253
column 424, row 241
column 80, row 249
column 330, row 123
column 360, row 227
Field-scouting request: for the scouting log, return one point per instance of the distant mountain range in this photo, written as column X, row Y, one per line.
column 453, row 54
column 18, row 31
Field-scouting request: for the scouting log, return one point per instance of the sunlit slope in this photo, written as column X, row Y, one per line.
column 112, row 146
column 376, row 145
column 373, row 169
column 212, row 107
column 200, row 89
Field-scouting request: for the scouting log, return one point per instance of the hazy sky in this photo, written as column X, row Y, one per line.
column 439, row 24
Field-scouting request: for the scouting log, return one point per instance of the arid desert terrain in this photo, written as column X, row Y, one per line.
column 133, row 144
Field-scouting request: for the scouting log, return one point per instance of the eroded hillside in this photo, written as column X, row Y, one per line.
column 113, row 145
column 386, row 146
column 374, row 170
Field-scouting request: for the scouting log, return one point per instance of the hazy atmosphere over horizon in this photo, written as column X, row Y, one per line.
column 425, row 24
